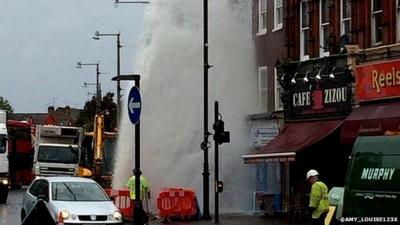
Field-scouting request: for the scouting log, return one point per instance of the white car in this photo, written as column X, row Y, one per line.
column 78, row 200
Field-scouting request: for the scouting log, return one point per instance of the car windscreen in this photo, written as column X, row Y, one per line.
column 375, row 171
column 77, row 191
column 20, row 133
column 58, row 154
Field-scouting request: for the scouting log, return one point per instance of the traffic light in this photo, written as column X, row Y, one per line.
column 220, row 135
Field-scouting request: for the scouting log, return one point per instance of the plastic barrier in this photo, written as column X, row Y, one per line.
column 177, row 202
column 121, row 199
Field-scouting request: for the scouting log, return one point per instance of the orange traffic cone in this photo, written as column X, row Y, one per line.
column 60, row 219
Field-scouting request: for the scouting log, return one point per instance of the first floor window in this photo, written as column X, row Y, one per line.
column 345, row 28
column 262, row 88
column 304, row 30
column 278, row 14
column 278, row 93
column 377, row 22
column 398, row 19
column 262, row 16
column 324, row 28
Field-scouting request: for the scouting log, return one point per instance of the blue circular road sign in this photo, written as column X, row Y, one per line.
column 134, row 105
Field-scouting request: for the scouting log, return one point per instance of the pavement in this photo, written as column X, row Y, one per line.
column 230, row 220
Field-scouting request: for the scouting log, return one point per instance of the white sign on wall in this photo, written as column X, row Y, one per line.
column 262, row 136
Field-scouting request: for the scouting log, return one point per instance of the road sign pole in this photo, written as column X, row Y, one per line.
column 138, row 206
column 204, row 146
column 134, row 108
column 216, row 169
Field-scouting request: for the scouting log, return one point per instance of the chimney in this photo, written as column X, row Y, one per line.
column 50, row 109
column 68, row 111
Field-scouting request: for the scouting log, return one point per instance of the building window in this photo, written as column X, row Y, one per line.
column 278, row 14
column 304, row 30
column 262, row 88
column 262, row 17
column 398, row 19
column 278, row 93
column 377, row 22
column 324, row 28
column 345, row 18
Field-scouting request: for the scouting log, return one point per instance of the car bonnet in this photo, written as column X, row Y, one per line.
column 85, row 208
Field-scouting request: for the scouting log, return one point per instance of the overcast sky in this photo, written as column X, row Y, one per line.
column 42, row 40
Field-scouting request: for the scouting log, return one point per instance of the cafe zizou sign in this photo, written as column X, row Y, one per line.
column 378, row 80
column 319, row 98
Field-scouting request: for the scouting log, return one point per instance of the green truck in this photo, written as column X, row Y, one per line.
column 372, row 189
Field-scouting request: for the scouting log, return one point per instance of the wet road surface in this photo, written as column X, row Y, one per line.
column 10, row 212
column 10, row 215
column 232, row 220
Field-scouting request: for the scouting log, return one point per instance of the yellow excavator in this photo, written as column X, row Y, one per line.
column 98, row 150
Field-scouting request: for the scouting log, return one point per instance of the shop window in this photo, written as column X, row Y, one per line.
column 262, row 17
column 345, row 18
column 278, row 14
column 377, row 22
column 324, row 27
column 278, row 93
column 304, row 31
column 262, row 88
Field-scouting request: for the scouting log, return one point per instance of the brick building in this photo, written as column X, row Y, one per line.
column 338, row 72
column 62, row 116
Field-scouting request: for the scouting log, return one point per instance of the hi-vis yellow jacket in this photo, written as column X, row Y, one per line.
column 319, row 199
column 144, row 187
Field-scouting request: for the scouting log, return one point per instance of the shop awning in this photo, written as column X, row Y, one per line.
column 371, row 120
column 293, row 138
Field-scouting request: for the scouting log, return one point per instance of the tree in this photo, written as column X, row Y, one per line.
column 108, row 107
column 5, row 105
column 86, row 117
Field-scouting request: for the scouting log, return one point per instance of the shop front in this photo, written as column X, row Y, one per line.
column 266, row 195
column 316, row 102
column 378, row 94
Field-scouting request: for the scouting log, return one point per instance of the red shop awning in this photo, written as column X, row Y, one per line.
column 371, row 120
column 293, row 138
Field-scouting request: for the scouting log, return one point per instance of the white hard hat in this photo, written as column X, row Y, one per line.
column 312, row 173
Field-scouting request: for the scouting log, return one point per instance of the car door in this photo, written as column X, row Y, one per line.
column 38, row 188
column 29, row 196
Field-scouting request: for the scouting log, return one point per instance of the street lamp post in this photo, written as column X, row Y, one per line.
column 97, row 36
column 98, row 90
column 86, row 84
column 140, row 2
column 205, row 145
column 91, row 94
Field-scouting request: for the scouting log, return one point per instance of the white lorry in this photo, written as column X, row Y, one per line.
column 4, row 182
column 57, row 150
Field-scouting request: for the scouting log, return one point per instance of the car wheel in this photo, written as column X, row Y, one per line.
column 3, row 193
column 23, row 215
column 3, row 198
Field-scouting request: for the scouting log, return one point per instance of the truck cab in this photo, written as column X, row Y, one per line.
column 4, row 175
column 373, row 178
column 57, row 150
